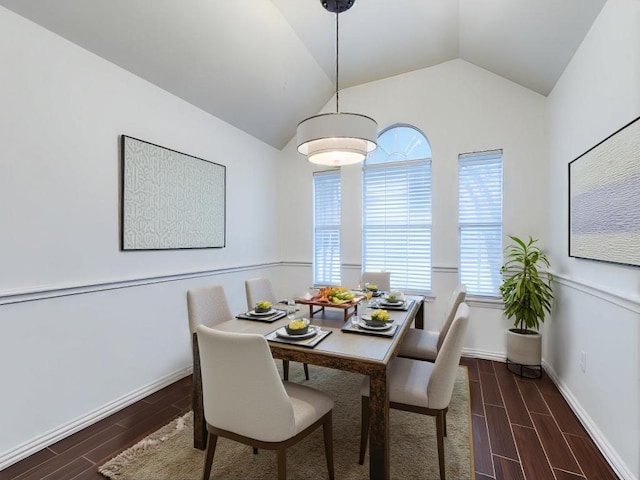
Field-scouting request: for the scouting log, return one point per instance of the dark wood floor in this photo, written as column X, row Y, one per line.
column 522, row 429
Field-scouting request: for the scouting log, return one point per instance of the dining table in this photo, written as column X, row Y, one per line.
column 342, row 345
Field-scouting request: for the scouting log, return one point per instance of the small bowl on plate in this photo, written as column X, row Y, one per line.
column 262, row 306
column 300, row 326
column 379, row 318
column 374, row 323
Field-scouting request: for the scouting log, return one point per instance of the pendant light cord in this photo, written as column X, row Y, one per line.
column 337, row 56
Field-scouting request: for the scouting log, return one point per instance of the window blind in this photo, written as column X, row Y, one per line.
column 480, row 222
column 397, row 222
column 326, row 228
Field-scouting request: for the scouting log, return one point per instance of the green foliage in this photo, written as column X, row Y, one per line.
column 526, row 295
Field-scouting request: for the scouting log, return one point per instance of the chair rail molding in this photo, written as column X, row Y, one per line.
column 631, row 303
column 45, row 292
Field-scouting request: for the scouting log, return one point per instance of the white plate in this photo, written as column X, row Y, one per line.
column 262, row 314
column 362, row 324
column 282, row 333
column 392, row 304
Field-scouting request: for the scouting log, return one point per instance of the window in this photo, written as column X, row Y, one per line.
column 480, row 221
column 326, row 228
column 397, row 209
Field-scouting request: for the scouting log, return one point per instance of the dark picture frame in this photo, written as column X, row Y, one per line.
column 170, row 200
column 604, row 199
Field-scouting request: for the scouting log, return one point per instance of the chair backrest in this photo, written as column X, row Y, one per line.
column 382, row 280
column 207, row 306
column 241, row 386
column 258, row 289
column 443, row 375
column 458, row 296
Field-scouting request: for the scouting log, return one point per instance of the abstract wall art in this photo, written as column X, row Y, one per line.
column 604, row 199
column 170, row 200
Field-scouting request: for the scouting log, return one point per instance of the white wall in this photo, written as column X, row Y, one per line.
column 597, row 308
column 120, row 330
column 460, row 108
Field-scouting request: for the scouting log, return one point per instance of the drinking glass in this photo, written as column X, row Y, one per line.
column 291, row 309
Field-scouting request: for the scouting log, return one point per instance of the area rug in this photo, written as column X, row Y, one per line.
column 168, row 454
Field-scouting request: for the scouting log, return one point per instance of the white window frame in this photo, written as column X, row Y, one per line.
column 480, row 210
column 327, row 200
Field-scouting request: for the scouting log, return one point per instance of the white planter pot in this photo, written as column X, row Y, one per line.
column 524, row 349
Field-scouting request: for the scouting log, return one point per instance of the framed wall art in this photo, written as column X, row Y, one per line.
column 170, row 200
column 604, row 199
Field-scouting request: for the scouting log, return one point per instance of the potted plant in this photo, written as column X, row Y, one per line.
column 527, row 295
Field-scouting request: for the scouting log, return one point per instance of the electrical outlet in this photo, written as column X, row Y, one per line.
column 583, row 361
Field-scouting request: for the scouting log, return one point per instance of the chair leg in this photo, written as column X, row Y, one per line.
column 306, row 371
column 255, row 451
column 440, row 421
column 282, row 464
column 364, row 428
column 327, row 430
column 444, row 421
column 208, row 460
column 285, row 369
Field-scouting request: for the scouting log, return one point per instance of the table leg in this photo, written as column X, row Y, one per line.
column 199, row 423
column 419, row 318
column 379, row 425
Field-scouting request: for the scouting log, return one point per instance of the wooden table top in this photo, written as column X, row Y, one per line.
column 338, row 345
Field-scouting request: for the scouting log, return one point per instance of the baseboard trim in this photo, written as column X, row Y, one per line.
column 484, row 354
column 49, row 438
column 609, row 453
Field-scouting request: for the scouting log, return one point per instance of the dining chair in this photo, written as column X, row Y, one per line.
column 245, row 400
column 423, row 387
column 258, row 289
column 423, row 344
column 205, row 306
column 382, row 280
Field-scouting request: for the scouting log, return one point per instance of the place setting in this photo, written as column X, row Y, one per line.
column 298, row 331
column 377, row 323
column 394, row 300
column 263, row 311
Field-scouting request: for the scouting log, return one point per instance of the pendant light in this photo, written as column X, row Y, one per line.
column 337, row 139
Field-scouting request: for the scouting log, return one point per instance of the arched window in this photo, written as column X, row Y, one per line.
column 397, row 208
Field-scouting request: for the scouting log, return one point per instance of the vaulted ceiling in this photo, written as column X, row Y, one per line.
column 264, row 65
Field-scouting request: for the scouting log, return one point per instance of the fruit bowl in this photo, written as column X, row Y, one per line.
column 300, row 326
column 378, row 318
column 262, row 306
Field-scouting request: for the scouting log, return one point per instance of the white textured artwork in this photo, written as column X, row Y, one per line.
column 170, row 200
column 604, row 199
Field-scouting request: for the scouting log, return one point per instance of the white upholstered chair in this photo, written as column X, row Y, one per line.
column 258, row 289
column 423, row 387
column 245, row 400
column 382, row 280
column 205, row 306
column 424, row 345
